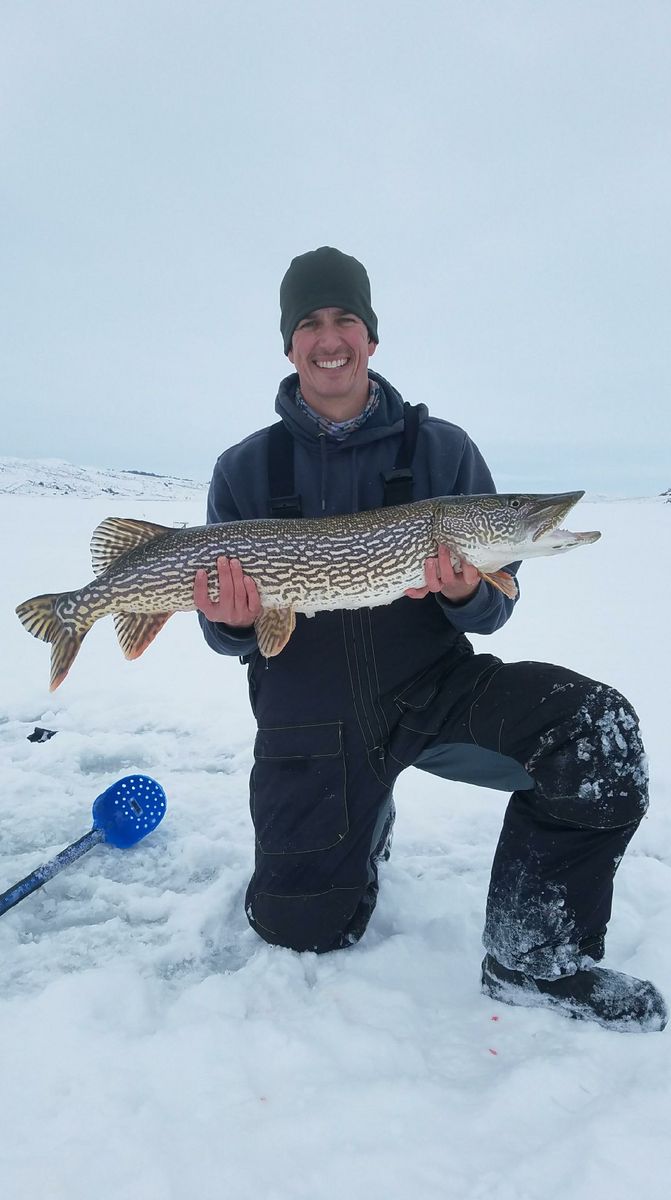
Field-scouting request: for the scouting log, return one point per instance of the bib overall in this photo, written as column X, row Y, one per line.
column 358, row 696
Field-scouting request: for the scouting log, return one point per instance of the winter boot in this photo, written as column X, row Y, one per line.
column 610, row 998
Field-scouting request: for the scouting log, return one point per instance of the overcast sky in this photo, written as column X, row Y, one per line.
column 502, row 168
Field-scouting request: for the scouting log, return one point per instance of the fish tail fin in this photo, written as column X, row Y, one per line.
column 41, row 616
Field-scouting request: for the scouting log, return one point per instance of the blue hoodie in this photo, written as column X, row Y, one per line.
column 343, row 476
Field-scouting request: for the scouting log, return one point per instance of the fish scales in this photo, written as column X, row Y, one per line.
column 145, row 572
column 299, row 567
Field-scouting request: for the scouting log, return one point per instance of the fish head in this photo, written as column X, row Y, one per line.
column 491, row 531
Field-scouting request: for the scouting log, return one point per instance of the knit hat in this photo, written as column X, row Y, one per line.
column 324, row 278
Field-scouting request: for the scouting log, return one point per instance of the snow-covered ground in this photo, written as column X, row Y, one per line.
column 153, row 1048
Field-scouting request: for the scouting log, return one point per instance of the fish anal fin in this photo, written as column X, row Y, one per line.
column 136, row 631
column 502, row 581
column 117, row 535
column 274, row 627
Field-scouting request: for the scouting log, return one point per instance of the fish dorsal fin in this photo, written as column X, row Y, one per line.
column 274, row 627
column 136, row 631
column 117, row 535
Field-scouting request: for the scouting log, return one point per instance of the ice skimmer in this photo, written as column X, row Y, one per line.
column 122, row 815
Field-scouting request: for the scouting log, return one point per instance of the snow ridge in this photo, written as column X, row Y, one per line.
column 56, row 477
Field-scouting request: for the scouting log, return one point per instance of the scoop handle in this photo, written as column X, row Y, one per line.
column 47, row 871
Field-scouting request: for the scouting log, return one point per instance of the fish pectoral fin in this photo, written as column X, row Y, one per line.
column 136, row 631
column 502, row 581
column 117, row 535
column 274, row 627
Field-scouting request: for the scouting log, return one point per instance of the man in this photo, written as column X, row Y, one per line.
column 357, row 696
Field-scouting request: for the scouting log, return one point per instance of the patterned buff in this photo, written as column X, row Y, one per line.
column 340, row 429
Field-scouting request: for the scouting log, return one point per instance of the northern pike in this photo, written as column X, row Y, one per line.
column 145, row 572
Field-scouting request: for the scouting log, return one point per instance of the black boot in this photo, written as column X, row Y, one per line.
column 610, row 998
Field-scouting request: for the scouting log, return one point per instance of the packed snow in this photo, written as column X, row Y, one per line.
column 154, row 1048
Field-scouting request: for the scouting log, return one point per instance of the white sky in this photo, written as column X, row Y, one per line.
column 502, row 169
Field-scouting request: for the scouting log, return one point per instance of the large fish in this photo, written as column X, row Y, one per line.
column 145, row 572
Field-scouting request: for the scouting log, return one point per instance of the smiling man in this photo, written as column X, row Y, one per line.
column 330, row 349
column 329, row 345
column 356, row 697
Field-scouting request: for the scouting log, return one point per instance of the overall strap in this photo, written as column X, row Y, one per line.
column 398, row 483
column 284, row 502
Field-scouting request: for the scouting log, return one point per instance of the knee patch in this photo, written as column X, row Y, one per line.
column 319, row 922
column 591, row 769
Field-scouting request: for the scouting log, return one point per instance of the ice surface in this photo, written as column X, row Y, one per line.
column 153, row 1048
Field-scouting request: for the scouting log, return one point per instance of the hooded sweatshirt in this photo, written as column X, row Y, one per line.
column 334, row 476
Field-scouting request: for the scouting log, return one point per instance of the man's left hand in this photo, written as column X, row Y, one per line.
column 441, row 576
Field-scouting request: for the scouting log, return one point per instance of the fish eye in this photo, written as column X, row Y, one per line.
column 515, row 503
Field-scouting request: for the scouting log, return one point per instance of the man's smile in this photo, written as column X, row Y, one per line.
column 330, row 364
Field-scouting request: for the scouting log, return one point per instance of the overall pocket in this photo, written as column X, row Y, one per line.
column 298, row 795
column 416, row 698
column 425, row 702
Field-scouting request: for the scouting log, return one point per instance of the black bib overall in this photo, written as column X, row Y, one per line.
column 358, row 696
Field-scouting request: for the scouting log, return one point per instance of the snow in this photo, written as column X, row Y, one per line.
column 153, row 1048
column 54, row 476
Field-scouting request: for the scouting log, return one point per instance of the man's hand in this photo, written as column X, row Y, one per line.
column 238, row 604
column 441, row 576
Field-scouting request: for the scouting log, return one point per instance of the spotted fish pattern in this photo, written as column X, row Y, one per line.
column 145, row 572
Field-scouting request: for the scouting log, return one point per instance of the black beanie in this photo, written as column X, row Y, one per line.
column 324, row 278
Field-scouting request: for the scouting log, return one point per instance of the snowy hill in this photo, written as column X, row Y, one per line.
column 55, row 477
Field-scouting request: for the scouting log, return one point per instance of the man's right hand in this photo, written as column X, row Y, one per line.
column 239, row 602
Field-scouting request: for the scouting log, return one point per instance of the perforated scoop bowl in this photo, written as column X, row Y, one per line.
column 129, row 810
column 122, row 815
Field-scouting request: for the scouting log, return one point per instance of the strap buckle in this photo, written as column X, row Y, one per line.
column 286, row 506
column 398, row 486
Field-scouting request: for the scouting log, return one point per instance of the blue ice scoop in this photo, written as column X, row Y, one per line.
column 124, row 814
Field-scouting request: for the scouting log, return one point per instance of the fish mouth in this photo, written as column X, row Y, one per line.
column 549, row 511
column 580, row 538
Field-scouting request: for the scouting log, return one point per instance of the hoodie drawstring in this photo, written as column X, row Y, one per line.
column 322, row 442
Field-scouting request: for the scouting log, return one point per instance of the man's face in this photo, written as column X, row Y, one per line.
column 330, row 349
